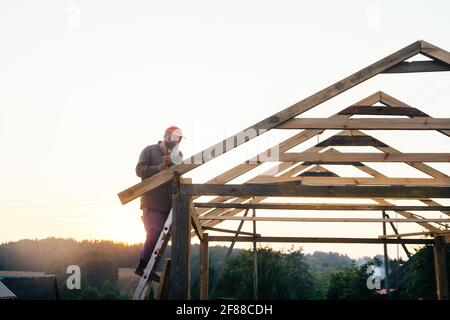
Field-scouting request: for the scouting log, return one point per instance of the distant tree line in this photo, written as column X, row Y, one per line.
column 281, row 275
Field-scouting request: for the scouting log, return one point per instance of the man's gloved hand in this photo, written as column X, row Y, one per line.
column 167, row 160
column 162, row 166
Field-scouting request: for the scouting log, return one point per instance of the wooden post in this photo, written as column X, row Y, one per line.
column 165, row 281
column 204, row 267
column 440, row 268
column 180, row 274
column 399, row 237
column 386, row 259
column 255, row 260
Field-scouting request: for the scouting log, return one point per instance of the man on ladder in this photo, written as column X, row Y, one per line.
column 156, row 204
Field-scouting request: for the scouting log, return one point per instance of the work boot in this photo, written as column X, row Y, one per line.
column 141, row 267
column 155, row 277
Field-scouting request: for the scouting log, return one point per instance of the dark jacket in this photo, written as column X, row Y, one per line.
column 160, row 198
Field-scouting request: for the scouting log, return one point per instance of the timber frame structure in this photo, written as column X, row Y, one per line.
column 303, row 175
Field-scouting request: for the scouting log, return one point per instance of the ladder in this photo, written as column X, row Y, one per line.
column 158, row 251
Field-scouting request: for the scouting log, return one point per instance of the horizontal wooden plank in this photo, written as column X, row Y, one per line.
column 318, row 206
column 418, row 66
column 227, row 231
column 330, row 180
column 421, row 123
column 280, row 190
column 318, row 240
column 314, row 174
column 409, row 234
column 381, row 111
column 334, row 220
column 336, row 163
column 363, row 157
column 344, row 141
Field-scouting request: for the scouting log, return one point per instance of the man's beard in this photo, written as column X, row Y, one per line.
column 170, row 145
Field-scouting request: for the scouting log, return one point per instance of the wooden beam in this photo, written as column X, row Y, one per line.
column 204, row 267
column 433, row 52
column 228, row 231
column 372, row 99
column 417, row 165
column 362, row 167
column 385, row 257
column 319, row 240
column 336, row 163
column 424, row 168
column 283, row 146
column 327, row 180
column 310, row 174
column 318, row 206
column 153, row 182
column 334, row 220
column 279, row 190
column 408, row 215
column 235, row 172
column 364, row 157
column 195, row 223
column 164, row 285
column 431, row 203
column 380, row 111
column 405, row 249
column 440, row 268
column 402, row 235
column 271, row 122
column 418, row 66
column 245, row 167
column 180, row 276
column 391, row 101
column 421, row 123
column 344, row 141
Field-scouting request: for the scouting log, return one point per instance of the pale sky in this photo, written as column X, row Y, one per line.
column 86, row 85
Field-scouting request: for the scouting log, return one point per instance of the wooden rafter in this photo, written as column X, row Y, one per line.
column 286, row 145
column 288, row 113
column 182, row 196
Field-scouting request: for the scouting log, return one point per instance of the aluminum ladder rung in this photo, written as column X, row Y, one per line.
column 158, row 251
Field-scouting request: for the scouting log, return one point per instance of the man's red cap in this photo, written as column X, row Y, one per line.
column 174, row 130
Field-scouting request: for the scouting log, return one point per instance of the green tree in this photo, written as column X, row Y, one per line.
column 351, row 283
column 97, row 269
column 110, row 291
column 4, row 262
column 420, row 281
column 89, row 293
column 280, row 276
